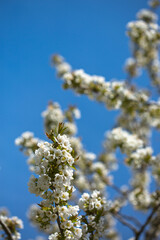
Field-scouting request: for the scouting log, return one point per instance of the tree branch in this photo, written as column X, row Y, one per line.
column 130, row 218
column 6, row 230
column 124, row 222
column 137, row 235
column 59, row 224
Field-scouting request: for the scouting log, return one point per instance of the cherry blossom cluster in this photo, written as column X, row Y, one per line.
column 95, row 221
column 121, row 138
column 44, row 157
column 87, row 166
column 154, row 3
column 114, row 94
column 140, row 196
column 88, row 213
column 54, row 115
column 145, row 39
column 139, row 158
column 138, row 113
column 156, row 168
column 144, row 34
column 28, row 143
column 9, row 226
column 54, row 167
column 99, row 173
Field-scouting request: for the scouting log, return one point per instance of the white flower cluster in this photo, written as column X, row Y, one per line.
column 83, row 78
column 145, row 33
column 51, row 160
column 156, row 168
column 64, row 67
column 28, row 142
column 147, row 15
column 121, row 138
column 13, row 224
column 141, row 158
column 85, row 158
column 145, row 37
column 115, row 94
column 154, row 3
column 71, row 227
column 140, row 199
column 138, row 125
column 95, row 206
column 131, row 67
column 112, row 93
column 53, row 164
column 77, row 145
column 116, row 205
column 109, row 159
column 52, row 116
column 100, row 176
column 140, row 195
column 43, row 218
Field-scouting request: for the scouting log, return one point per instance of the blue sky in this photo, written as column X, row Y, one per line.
column 90, row 34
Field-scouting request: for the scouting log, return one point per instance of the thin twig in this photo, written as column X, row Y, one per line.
column 130, row 218
column 59, row 224
column 117, row 189
column 124, row 222
column 137, row 235
column 6, row 230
